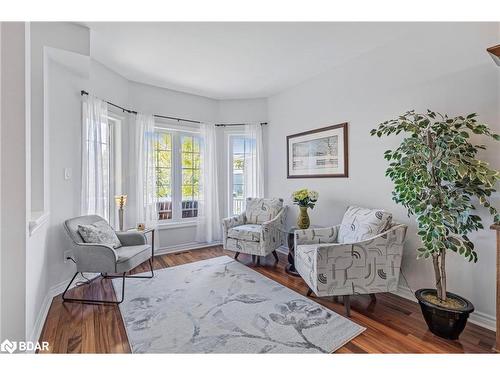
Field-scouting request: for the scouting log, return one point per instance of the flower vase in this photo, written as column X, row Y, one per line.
column 303, row 221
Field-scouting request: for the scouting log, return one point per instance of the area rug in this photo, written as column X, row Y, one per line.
column 221, row 306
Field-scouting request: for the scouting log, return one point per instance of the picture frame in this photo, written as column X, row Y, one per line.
column 318, row 153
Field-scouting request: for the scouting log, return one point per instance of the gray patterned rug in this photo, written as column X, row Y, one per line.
column 221, row 306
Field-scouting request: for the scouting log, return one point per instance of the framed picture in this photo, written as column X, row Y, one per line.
column 318, row 153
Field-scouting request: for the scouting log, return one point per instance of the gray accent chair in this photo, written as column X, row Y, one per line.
column 257, row 231
column 104, row 259
column 367, row 266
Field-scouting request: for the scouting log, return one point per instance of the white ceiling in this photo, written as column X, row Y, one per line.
column 232, row 60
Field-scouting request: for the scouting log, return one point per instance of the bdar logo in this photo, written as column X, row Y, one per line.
column 8, row 346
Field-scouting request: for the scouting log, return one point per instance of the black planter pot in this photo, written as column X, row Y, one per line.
column 442, row 321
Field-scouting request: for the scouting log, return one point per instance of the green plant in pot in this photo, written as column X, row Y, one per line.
column 304, row 199
column 439, row 179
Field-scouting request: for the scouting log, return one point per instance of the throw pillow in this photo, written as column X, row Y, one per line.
column 101, row 233
column 360, row 224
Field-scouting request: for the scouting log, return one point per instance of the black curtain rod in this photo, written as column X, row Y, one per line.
column 242, row 124
column 83, row 92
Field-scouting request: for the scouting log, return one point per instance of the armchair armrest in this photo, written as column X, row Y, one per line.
column 273, row 231
column 316, row 235
column 278, row 222
column 92, row 257
column 233, row 221
column 131, row 238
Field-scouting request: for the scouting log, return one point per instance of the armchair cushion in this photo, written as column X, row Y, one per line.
column 248, row 232
column 131, row 238
column 129, row 257
column 360, row 224
column 99, row 233
column 260, row 210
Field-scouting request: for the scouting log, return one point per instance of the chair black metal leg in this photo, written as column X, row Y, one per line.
column 309, row 292
column 106, row 276
column 81, row 300
column 276, row 256
column 253, row 258
column 347, row 305
column 258, row 260
column 236, row 255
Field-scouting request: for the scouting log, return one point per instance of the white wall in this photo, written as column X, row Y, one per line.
column 14, row 199
column 242, row 110
column 43, row 35
column 64, row 35
column 443, row 67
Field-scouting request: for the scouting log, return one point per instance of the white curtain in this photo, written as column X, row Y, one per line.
column 254, row 163
column 95, row 158
column 146, row 199
column 209, row 220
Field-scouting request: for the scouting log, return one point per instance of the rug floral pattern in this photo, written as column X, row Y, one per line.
column 221, row 306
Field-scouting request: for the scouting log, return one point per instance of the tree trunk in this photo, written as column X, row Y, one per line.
column 437, row 274
column 443, row 275
column 439, row 262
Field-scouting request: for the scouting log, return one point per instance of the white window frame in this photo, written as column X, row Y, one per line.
column 177, row 133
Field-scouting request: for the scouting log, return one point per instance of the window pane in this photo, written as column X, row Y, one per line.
column 187, row 144
column 164, row 159
column 196, row 144
column 238, row 162
column 163, row 176
column 164, row 141
column 196, row 161
column 187, row 160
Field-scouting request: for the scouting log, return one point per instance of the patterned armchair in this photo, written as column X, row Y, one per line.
column 258, row 231
column 360, row 256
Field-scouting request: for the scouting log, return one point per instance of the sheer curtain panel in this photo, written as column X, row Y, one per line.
column 254, row 163
column 95, row 158
column 209, row 220
column 146, row 197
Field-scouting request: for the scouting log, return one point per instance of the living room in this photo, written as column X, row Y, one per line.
column 249, row 187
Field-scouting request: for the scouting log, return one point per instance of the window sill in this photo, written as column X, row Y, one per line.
column 176, row 224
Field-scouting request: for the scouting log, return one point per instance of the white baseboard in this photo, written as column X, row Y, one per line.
column 40, row 321
column 477, row 317
column 184, row 247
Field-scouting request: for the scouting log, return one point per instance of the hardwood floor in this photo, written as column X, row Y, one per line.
column 394, row 324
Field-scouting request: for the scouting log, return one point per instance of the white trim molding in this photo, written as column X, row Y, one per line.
column 184, row 247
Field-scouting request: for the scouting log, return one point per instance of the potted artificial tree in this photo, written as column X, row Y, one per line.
column 439, row 180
